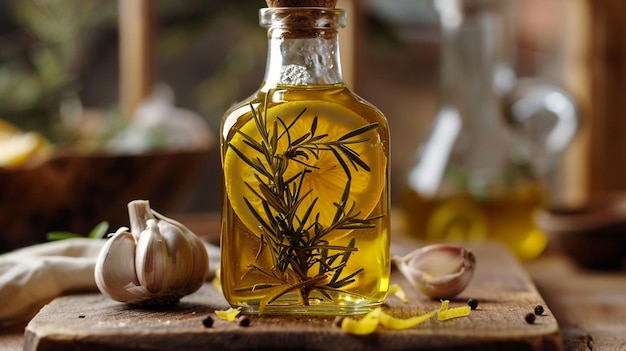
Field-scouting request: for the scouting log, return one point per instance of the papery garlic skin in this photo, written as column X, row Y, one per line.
column 440, row 271
column 158, row 262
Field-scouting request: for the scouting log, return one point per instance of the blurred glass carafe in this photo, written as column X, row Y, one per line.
column 478, row 175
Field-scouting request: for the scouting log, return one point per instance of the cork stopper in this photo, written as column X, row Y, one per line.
column 302, row 3
column 303, row 18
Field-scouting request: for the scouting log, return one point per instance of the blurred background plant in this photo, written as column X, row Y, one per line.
column 60, row 57
column 42, row 57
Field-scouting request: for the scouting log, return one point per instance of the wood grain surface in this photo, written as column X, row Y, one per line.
column 589, row 304
column 505, row 292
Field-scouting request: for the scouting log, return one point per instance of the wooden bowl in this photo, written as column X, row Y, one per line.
column 75, row 192
column 593, row 236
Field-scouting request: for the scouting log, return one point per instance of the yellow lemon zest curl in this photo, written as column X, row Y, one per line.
column 446, row 313
column 229, row 315
column 398, row 291
column 369, row 323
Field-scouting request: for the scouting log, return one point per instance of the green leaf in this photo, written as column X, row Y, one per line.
column 99, row 231
column 59, row 235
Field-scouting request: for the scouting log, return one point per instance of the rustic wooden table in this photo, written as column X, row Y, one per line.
column 590, row 306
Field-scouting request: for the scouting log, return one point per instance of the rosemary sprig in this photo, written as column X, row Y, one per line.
column 291, row 234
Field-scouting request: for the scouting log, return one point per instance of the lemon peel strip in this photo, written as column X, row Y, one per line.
column 363, row 326
column 398, row 292
column 446, row 313
column 217, row 281
column 444, row 306
column 391, row 322
column 370, row 322
column 456, row 312
column 229, row 315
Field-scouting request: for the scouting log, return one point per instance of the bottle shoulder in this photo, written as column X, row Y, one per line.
column 328, row 95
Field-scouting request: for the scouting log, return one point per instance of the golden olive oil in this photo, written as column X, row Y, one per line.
column 305, row 224
column 505, row 217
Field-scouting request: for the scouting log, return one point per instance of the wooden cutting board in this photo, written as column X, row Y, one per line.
column 504, row 290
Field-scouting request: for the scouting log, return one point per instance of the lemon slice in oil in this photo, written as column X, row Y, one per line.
column 325, row 179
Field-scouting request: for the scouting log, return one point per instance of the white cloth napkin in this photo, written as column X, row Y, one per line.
column 35, row 275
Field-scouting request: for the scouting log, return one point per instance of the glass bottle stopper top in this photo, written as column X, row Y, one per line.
column 302, row 3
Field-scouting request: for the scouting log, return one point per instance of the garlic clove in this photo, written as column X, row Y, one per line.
column 200, row 270
column 151, row 258
column 115, row 267
column 200, row 264
column 179, row 258
column 440, row 271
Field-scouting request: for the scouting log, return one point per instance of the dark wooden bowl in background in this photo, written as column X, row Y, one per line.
column 593, row 236
column 76, row 192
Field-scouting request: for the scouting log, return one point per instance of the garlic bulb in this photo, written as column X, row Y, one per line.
column 157, row 262
column 440, row 271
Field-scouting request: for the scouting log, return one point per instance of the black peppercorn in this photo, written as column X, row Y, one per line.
column 207, row 322
column 472, row 303
column 243, row 320
column 530, row 318
column 539, row 310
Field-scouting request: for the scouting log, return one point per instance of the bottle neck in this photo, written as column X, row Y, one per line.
column 303, row 46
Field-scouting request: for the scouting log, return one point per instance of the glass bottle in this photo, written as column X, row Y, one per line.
column 305, row 172
column 478, row 175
